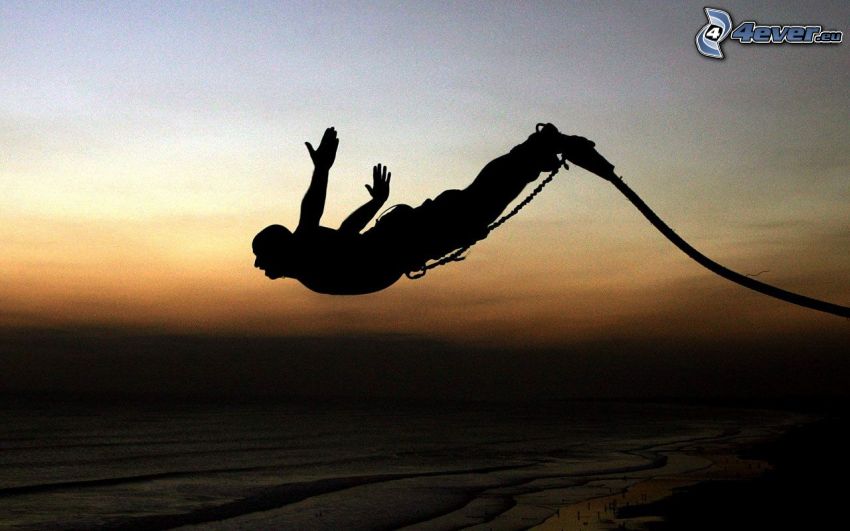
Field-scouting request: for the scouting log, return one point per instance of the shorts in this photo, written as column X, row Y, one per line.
column 412, row 236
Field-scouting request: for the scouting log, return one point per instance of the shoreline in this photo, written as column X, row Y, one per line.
column 796, row 492
column 768, row 483
column 690, row 463
column 589, row 499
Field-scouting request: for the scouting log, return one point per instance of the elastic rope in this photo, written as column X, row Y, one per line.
column 744, row 280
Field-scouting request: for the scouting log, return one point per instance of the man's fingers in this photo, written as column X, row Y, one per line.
column 329, row 139
column 389, row 175
column 310, row 148
column 369, row 188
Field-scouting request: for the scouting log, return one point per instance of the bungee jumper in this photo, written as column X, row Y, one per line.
column 408, row 240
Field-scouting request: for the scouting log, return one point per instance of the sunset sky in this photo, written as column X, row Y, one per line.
column 143, row 144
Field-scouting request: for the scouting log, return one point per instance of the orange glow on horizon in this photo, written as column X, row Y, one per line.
column 513, row 289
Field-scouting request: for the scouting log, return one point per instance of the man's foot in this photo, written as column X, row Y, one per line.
column 548, row 136
column 543, row 146
column 576, row 149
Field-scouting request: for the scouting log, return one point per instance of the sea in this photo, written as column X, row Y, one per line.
column 336, row 465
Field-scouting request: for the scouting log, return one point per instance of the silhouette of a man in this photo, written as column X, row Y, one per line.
column 347, row 261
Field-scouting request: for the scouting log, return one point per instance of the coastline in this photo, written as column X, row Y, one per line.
column 780, row 482
column 796, row 492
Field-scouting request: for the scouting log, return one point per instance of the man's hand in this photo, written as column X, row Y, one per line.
column 380, row 189
column 323, row 158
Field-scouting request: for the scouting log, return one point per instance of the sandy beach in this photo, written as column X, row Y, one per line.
column 687, row 464
column 800, row 489
column 746, row 483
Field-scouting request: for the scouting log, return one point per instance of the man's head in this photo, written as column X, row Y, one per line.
column 271, row 246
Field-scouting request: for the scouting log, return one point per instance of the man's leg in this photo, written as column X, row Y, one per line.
column 503, row 179
column 457, row 218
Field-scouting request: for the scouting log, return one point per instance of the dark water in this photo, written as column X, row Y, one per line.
column 340, row 466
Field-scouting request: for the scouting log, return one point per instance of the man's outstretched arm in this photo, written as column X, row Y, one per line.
column 380, row 191
column 313, row 204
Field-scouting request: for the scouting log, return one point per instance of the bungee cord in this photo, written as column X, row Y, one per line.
column 592, row 161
